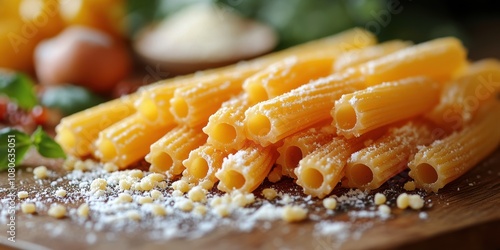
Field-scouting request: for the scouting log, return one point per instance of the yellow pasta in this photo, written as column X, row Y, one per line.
column 77, row 132
column 445, row 160
column 272, row 120
column 356, row 57
column 319, row 172
column 167, row 153
column 154, row 102
column 301, row 144
column 461, row 99
column 372, row 166
column 438, row 59
column 362, row 111
column 286, row 75
column 246, row 169
column 192, row 105
column 203, row 163
column 225, row 127
column 127, row 141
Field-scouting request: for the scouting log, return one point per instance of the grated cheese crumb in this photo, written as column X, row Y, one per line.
column 124, row 198
column 294, row 213
column 197, row 194
column 61, row 193
column 40, row 172
column 207, row 184
column 147, row 184
column 384, row 209
column 22, row 195
column 181, row 185
column 162, row 185
column 98, row 184
column 57, row 211
column 380, row 199
column 125, row 184
column 200, row 210
column 156, row 177
column 222, row 210
column 155, row 194
column 409, row 186
column 330, row 203
column 158, row 210
column 83, row 210
column 110, row 167
column 269, row 193
column 136, row 173
column 403, row 201
column 184, row 205
column 145, row 200
column 416, row 202
column 28, row 208
column 133, row 215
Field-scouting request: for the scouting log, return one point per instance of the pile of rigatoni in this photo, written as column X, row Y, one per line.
column 339, row 109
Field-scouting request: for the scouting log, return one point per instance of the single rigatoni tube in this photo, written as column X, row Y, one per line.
column 439, row 59
column 272, row 120
column 445, row 160
column 461, row 99
column 365, row 110
column 203, row 163
column 225, row 128
column 167, row 153
column 301, row 144
column 372, row 166
column 77, row 132
column 286, row 75
column 356, row 57
column 154, row 103
column 192, row 105
column 246, row 169
column 126, row 142
column 319, row 172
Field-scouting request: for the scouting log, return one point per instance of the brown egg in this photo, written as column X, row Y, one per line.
column 82, row 56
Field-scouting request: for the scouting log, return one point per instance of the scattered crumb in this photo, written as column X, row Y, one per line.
column 57, row 211
column 269, row 193
column 416, row 202
column 330, row 203
column 133, row 215
column 158, row 210
column 222, row 210
column 184, row 205
column 409, row 186
column 98, row 184
column 61, row 193
column 200, row 210
column 207, row 184
column 40, row 172
column 384, row 210
column 124, row 198
column 379, row 199
column 110, row 167
column 145, row 200
column 22, row 195
column 294, row 213
column 83, row 210
column 28, row 208
column 155, row 194
column 181, row 186
column 423, row 215
column 403, row 201
column 197, row 194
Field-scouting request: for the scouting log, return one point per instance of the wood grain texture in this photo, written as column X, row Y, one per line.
column 464, row 215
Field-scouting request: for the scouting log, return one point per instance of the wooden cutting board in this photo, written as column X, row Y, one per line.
column 464, row 215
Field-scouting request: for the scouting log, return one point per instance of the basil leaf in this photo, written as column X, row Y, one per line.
column 19, row 88
column 13, row 147
column 45, row 145
column 69, row 99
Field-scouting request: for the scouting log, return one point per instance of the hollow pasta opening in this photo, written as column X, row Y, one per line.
column 360, row 174
column 259, row 125
column 345, row 116
column 312, row 178
column 426, row 173
column 148, row 109
column 234, row 180
column 257, row 93
column 107, row 149
column 199, row 168
column 180, row 107
column 162, row 161
column 224, row 133
column 293, row 155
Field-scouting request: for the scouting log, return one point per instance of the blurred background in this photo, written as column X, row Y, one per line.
column 61, row 56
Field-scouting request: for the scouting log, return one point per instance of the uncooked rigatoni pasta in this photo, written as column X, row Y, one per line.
column 365, row 110
column 445, row 160
column 203, row 163
column 372, row 166
column 167, row 153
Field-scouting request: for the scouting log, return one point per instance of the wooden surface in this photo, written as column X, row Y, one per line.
column 465, row 219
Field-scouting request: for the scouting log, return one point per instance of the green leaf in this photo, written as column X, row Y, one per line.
column 19, row 88
column 13, row 145
column 69, row 99
column 45, row 145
